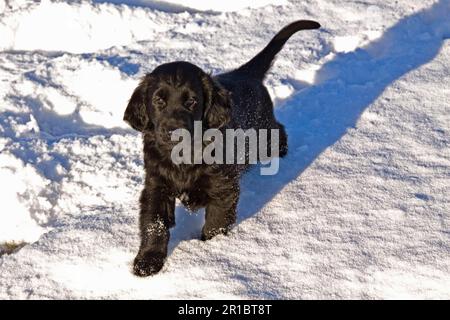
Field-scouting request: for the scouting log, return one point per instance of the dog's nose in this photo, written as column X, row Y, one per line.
column 182, row 125
column 170, row 131
column 167, row 132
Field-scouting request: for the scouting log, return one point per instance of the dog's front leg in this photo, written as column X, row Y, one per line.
column 221, row 211
column 156, row 216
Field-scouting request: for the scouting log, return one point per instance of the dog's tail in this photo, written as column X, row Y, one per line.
column 261, row 63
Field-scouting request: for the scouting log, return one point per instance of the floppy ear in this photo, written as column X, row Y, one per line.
column 136, row 112
column 217, row 104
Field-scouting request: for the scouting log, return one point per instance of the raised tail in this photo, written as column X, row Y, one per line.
column 258, row 66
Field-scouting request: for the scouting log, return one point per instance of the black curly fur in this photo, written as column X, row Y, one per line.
column 237, row 99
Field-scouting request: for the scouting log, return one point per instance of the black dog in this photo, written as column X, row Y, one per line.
column 173, row 96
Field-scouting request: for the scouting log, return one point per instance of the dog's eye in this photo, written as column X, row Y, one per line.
column 159, row 102
column 190, row 103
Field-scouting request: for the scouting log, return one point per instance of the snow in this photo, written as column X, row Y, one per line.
column 197, row 5
column 359, row 209
column 19, row 220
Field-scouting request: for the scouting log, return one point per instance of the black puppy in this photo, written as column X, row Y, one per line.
column 173, row 96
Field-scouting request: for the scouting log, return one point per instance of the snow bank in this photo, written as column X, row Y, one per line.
column 23, row 207
column 79, row 26
column 76, row 26
column 198, row 5
column 103, row 90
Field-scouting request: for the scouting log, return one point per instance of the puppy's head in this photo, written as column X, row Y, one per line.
column 172, row 97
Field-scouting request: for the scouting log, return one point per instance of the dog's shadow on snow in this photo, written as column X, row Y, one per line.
column 318, row 116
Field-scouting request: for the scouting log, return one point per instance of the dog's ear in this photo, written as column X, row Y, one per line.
column 136, row 112
column 217, row 104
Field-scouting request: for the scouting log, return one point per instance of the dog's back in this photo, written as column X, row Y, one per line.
column 252, row 106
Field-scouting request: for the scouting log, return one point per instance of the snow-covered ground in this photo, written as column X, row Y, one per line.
column 359, row 209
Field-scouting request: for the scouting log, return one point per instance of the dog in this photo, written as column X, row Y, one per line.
column 174, row 96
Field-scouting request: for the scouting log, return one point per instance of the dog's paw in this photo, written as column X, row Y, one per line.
column 211, row 233
column 148, row 263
